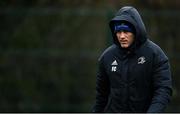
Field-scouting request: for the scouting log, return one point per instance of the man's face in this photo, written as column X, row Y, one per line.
column 125, row 38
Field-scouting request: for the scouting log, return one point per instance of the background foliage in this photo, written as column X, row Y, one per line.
column 49, row 50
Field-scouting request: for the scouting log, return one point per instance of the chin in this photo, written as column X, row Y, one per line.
column 124, row 46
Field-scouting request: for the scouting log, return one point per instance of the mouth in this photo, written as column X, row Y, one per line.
column 123, row 42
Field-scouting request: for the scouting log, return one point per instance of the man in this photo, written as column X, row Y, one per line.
column 134, row 73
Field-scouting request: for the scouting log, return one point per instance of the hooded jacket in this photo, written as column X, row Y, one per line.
column 137, row 79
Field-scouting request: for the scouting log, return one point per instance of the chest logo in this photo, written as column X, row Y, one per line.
column 114, row 66
column 141, row 60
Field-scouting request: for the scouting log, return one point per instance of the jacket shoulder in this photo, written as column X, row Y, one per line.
column 108, row 51
column 155, row 49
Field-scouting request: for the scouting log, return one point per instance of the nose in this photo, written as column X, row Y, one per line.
column 121, row 34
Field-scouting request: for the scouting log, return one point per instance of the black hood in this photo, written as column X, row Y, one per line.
column 131, row 15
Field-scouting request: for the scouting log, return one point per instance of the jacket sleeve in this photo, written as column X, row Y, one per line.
column 162, row 84
column 102, row 88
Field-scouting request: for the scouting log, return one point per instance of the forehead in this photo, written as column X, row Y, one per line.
column 128, row 34
column 125, row 32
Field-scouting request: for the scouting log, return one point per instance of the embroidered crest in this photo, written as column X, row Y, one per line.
column 141, row 60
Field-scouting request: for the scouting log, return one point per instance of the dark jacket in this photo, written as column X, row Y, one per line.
column 137, row 79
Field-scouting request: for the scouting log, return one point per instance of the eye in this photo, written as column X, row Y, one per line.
column 125, row 31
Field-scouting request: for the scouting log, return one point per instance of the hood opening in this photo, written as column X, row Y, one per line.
column 130, row 15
